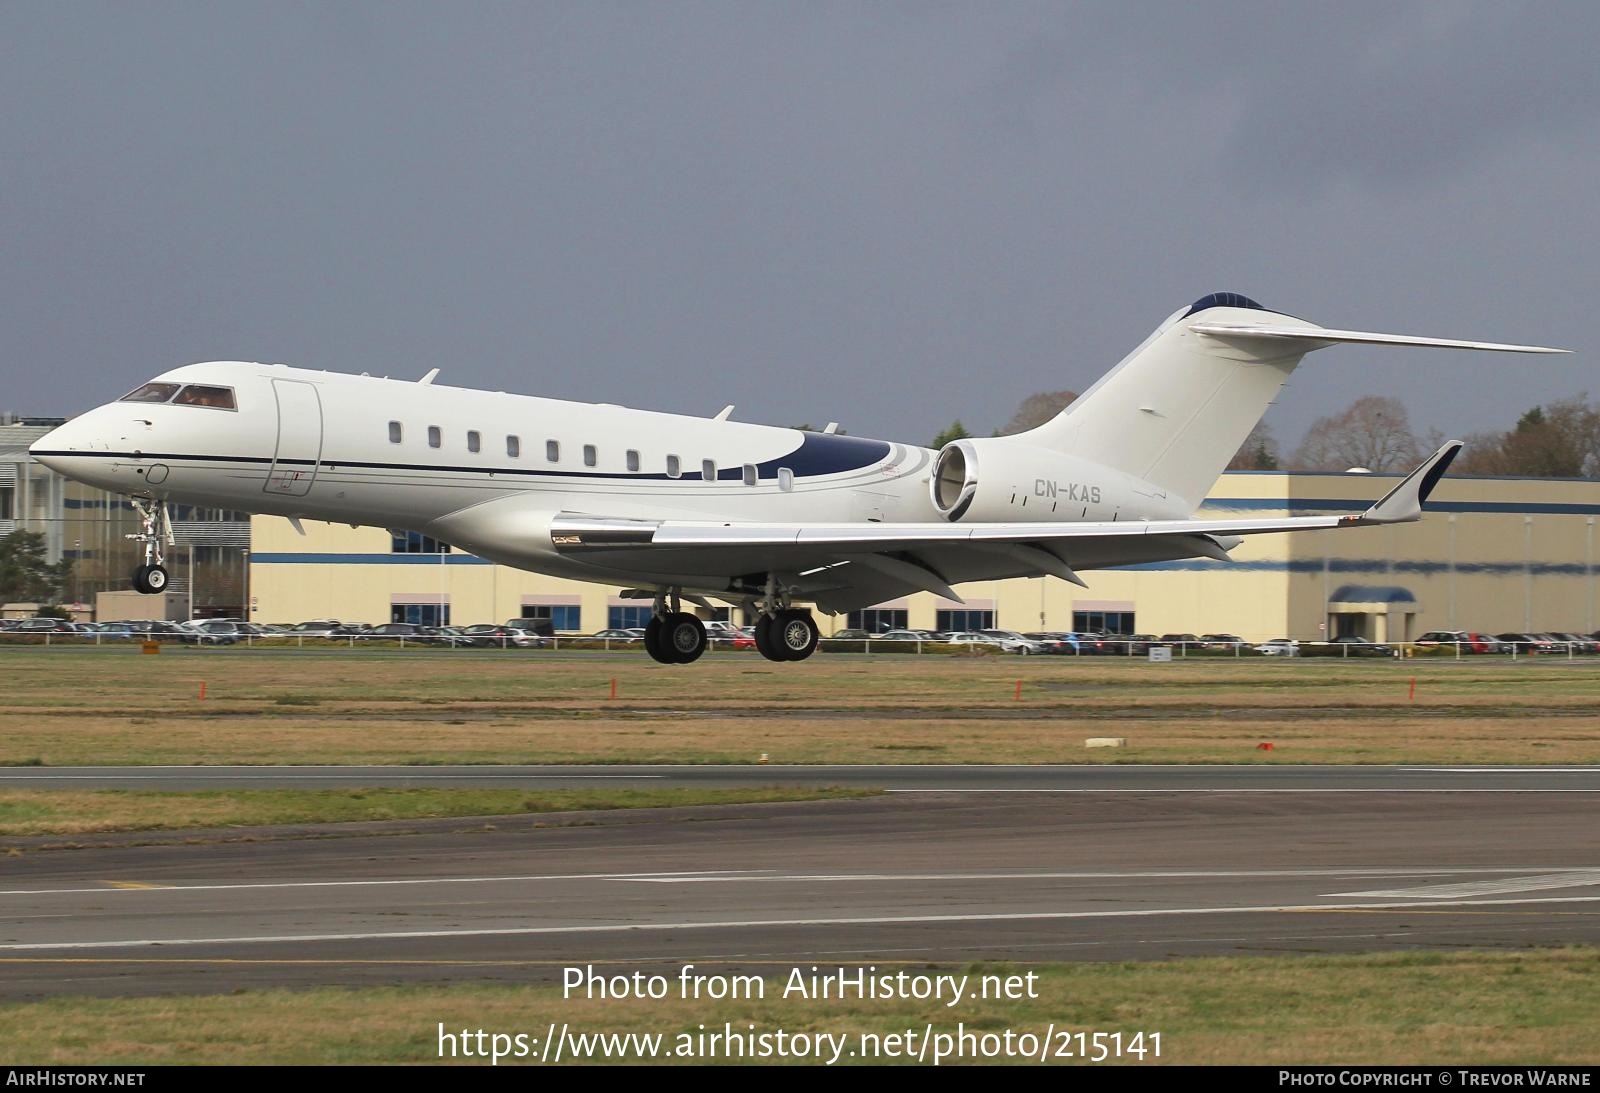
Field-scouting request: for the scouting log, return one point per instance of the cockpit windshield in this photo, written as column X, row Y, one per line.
column 151, row 392
column 218, row 398
column 195, row 394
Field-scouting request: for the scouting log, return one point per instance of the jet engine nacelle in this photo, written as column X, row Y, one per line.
column 1003, row 480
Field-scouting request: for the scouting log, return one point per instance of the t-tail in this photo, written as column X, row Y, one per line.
column 1177, row 409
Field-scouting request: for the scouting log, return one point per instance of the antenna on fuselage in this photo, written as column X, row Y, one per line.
column 723, row 414
column 429, row 378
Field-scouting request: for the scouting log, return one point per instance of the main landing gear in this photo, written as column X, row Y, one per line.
column 674, row 636
column 155, row 533
column 783, row 632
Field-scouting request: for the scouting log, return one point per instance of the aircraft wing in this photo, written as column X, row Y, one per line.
column 845, row 566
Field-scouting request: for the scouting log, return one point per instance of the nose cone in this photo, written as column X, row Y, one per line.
column 77, row 449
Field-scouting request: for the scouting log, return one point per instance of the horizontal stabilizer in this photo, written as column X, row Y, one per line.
column 1333, row 337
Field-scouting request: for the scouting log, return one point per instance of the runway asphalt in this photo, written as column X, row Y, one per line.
column 972, row 863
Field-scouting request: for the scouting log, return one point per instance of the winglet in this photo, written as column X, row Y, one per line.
column 1404, row 502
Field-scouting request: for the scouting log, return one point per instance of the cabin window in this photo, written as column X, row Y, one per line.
column 197, row 394
column 674, row 468
column 785, row 479
column 633, row 460
column 514, row 447
column 151, row 392
column 749, row 474
column 708, row 469
column 552, row 451
column 474, row 442
column 435, row 437
column 395, row 432
column 590, row 456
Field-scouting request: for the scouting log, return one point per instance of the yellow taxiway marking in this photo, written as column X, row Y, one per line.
column 135, row 884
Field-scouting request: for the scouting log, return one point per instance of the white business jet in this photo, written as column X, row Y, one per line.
column 691, row 509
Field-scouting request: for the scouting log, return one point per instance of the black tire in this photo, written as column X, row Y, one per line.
column 795, row 634
column 766, row 640
column 683, row 638
column 653, row 643
column 138, row 580
column 155, row 580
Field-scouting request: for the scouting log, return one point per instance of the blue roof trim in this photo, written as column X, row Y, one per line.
column 1367, row 567
column 1371, row 593
column 1222, row 299
column 1303, row 506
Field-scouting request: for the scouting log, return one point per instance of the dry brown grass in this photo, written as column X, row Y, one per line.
column 114, row 706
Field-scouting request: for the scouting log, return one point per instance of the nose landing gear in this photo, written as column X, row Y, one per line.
column 155, row 533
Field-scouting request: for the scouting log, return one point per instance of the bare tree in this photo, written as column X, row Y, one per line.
column 1561, row 440
column 1373, row 433
column 1035, row 410
column 1259, row 452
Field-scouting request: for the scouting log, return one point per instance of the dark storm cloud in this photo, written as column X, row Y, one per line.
column 889, row 214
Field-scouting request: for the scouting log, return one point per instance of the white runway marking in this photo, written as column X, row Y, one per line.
column 729, row 876
column 1131, row 790
column 1156, row 874
column 733, row 924
column 1500, row 770
column 359, row 883
column 1577, row 878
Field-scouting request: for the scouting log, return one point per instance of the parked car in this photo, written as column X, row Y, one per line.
column 488, row 633
column 398, row 631
column 211, row 632
column 851, row 635
column 1180, row 641
column 43, row 626
column 1451, row 639
column 1360, row 647
column 623, row 636
column 315, row 628
column 1279, row 647
column 911, row 635
column 1058, row 643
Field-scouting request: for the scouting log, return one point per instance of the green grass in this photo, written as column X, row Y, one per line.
column 76, row 812
column 1531, row 1007
column 114, row 706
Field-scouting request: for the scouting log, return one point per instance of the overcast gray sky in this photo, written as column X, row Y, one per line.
column 887, row 214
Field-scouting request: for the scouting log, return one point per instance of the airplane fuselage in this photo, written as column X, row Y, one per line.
column 485, row 470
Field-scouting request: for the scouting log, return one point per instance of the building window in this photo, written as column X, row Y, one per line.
column 1111, row 622
column 674, row 468
column 421, row 614
column 633, row 460
column 514, row 446
column 785, row 479
column 552, row 451
column 560, row 616
column 626, row 618
column 749, row 474
column 474, row 443
column 414, row 542
column 435, row 437
column 879, row 620
column 708, row 470
column 963, row 620
column 590, row 456
column 395, row 432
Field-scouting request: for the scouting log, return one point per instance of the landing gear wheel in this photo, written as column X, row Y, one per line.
column 795, row 634
column 683, row 637
column 766, row 640
column 652, row 640
column 150, row 579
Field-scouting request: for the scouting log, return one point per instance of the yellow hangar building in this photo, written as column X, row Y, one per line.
column 1491, row 555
